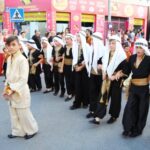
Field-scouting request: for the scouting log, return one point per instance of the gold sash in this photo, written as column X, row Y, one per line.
column 33, row 70
column 106, row 85
column 105, row 91
column 67, row 61
column 140, row 82
column 137, row 82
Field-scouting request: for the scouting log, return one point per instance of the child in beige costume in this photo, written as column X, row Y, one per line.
column 17, row 92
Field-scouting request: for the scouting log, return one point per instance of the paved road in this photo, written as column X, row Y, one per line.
column 62, row 129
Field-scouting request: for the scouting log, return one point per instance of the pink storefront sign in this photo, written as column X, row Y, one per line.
column 30, row 5
column 76, row 8
column 86, row 6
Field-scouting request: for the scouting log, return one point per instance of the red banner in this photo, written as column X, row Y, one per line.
column 7, row 24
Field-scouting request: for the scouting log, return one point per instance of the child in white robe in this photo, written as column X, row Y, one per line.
column 17, row 92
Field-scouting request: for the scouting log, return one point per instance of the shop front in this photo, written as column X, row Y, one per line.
column 82, row 14
column 138, row 24
column 62, row 21
column 94, row 15
column 35, row 17
column 134, row 17
column 88, row 21
column 33, row 21
column 59, row 14
column 117, row 24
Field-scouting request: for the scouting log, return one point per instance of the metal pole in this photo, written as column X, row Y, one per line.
column 109, row 11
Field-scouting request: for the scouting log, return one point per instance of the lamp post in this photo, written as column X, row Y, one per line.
column 109, row 12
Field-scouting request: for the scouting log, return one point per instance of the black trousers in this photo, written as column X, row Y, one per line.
column 35, row 81
column 69, row 77
column 115, row 94
column 81, row 86
column 58, row 80
column 48, row 76
column 136, row 110
column 94, row 91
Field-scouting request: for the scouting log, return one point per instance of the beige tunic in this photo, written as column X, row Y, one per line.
column 17, row 78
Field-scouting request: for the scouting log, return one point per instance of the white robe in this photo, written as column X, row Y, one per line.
column 22, row 120
column 17, row 78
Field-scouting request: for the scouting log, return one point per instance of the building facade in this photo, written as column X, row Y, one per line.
column 75, row 14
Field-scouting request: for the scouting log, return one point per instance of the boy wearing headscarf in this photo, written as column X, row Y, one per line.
column 67, row 66
column 113, row 62
column 95, row 71
column 137, row 107
column 35, row 58
column 80, row 65
column 57, row 54
column 47, row 64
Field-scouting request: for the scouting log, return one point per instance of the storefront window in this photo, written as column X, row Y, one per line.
column 33, row 21
column 88, row 22
column 138, row 24
column 62, row 21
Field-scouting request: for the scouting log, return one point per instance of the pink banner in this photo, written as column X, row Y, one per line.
column 1, row 62
column 7, row 24
column 100, row 23
column 75, row 22
column 86, row 6
column 29, row 5
column 127, row 10
column 48, row 18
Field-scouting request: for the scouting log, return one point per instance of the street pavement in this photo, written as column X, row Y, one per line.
column 63, row 129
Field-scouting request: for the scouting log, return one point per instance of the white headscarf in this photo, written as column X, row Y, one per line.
column 24, row 48
column 98, row 49
column 118, row 57
column 74, row 45
column 69, row 35
column 85, row 48
column 141, row 42
column 48, row 51
column 32, row 44
column 59, row 40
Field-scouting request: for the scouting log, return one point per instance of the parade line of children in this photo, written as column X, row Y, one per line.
column 86, row 70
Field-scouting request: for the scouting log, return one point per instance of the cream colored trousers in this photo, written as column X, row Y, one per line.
column 22, row 122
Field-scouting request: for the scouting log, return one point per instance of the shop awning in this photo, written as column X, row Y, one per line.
column 35, row 16
column 62, row 16
column 88, row 18
column 138, row 22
